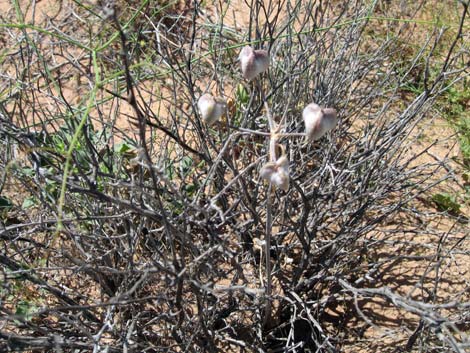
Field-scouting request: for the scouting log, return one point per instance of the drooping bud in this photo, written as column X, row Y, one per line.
column 211, row 108
column 277, row 173
column 253, row 62
column 318, row 121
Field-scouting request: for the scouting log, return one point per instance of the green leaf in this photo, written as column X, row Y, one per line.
column 28, row 202
column 5, row 203
column 190, row 189
column 186, row 165
column 28, row 172
column 242, row 94
column 25, row 309
column 123, row 148
column 446, row 202
column 170, row 171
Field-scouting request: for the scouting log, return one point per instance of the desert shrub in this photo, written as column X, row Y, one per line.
column 130, row 225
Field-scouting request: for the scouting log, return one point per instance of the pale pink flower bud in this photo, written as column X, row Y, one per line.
column 277, row 173
column 253, row 62
column 318, row 121
column 211, row 108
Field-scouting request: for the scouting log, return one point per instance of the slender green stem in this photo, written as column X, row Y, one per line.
column 23, row 26
column 76, row 135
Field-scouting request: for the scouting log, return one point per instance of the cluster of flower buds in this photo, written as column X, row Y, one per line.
column 277, row 173
column 253, row 62
column 211, row 108
column 318, row 121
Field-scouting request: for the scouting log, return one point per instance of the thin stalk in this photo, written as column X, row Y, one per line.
column 267, row 312
column 273, row 129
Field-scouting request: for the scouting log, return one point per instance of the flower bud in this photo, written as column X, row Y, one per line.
column 253, row 62
column 318, row 121
column 211, row 108
column 277, row 173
